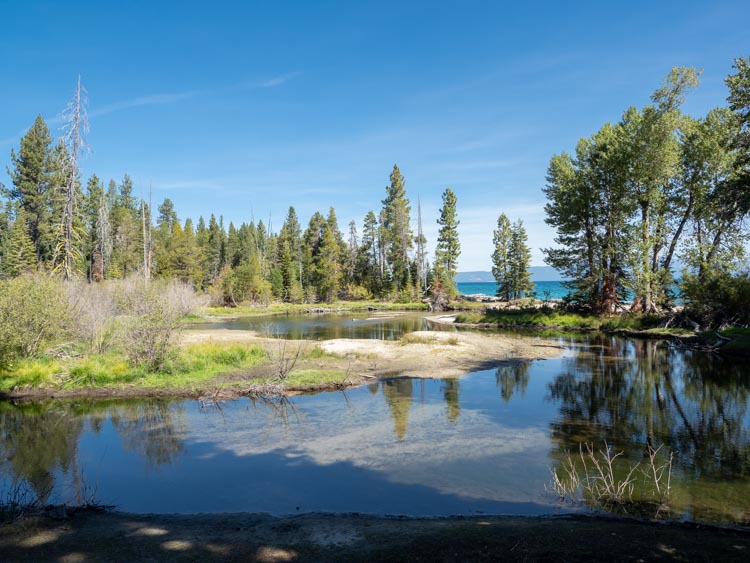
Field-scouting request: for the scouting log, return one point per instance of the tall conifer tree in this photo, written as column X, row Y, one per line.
column 448, row 247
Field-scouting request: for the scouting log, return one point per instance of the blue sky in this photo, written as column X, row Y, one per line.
column 241, row 108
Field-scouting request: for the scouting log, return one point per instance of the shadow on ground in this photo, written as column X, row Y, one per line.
column 87, row 536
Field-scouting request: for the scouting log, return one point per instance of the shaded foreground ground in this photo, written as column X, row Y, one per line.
column 88, row 536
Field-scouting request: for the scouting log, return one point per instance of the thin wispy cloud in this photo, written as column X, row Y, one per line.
column 279, row 80
column 199, row 184
column 157, row 99
column 140, row 101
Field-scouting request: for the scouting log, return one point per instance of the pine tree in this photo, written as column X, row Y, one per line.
column 215, row 248
column 520, row 259
column 32, row 188
column 352, row 254
column 448, row 247
column 501, row 257
column 511, row 259
column 127, row 232
column 183, row 255
column 398, row 237
column 311, row 249
column 327, row 265
column 369, row 269
column 99, row 244
column 232, row 247
column 19, row 255
column 291, row 233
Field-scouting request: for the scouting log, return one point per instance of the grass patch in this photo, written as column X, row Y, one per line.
column 420, row 339
column 670, row 331
column 189, row 366
column 317, row 353
column 41, row 372
column 277, row 308
column 306, row 377
column 738, row 343
column 535, row 318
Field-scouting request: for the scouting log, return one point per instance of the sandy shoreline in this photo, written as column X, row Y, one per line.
column 422, row 354
column 435, row 354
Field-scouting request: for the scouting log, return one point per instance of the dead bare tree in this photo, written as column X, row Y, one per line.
column 103, row 250
column 421, row 253
column 146, row 225
column 75, row 127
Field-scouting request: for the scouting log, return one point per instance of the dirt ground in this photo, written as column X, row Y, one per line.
column 433, row 354
column 114, row 536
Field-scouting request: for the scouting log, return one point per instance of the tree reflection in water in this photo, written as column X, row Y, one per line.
column 513, row 379
column 399, row 394
column 450, row 394
column 636, row 393
column 154, row 429
column 39, row 442
column 36, row 441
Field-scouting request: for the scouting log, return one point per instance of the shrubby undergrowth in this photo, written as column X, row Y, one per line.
column 140, row 319
column 33, row 312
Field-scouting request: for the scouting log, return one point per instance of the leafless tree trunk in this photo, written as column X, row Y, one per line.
column 103, row 251
column 75, row 126
column 421, row 269
column 146, row 235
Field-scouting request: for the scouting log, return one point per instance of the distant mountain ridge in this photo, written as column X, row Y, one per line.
column 538, row 273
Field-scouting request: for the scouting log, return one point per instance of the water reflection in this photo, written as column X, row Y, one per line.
column 424, row 447
column 155, row 430
column 451, row 388
column 634, row 393
column 37, row 442
column 513, row 379
column 330, row 326
column 398, row 393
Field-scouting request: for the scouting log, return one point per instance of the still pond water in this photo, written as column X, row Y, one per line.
column 483, row 443
column 328, row 326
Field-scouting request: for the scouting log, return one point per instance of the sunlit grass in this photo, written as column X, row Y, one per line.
column 188, row 367
column 430, row 339
column 738, row 343
column 309, row 377
column 298, row 308
column 317, row 353
column 535, row 318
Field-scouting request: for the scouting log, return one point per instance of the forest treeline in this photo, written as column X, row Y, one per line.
column 116, row 237
column 657, row 198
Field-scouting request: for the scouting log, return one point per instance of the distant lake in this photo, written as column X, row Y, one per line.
column 555, row 288
column 542, row 290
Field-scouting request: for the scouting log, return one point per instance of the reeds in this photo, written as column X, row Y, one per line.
column 597, row 479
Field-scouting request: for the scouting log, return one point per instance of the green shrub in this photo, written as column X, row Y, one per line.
column 153, row 318
column 717, row 299
column 354, row 292
column 33, row 311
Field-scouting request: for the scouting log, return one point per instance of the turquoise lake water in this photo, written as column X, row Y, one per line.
column 555, row 288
